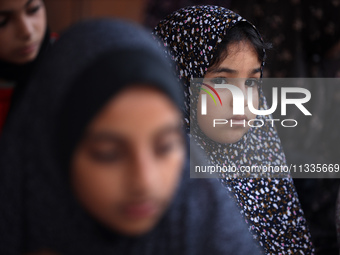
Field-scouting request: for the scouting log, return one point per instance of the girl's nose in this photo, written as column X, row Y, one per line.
column 240, row 84
column 24, row 28
column 143, row 175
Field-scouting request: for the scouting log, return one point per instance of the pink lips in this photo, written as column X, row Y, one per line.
column 239, row 120
column 140, row 210
column 27, row 50
column 239, row 117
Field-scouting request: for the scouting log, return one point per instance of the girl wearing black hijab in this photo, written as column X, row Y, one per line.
column 23, row 39
column 98, row 165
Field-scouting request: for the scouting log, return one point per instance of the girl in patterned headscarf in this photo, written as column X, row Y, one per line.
column 214, row 42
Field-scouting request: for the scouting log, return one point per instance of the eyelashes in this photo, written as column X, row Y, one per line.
column 168, row 147
column 3, row 21
column 122, row 154
column 219, row 80
column 106, row 157
column 253, row 82
column 34, row 9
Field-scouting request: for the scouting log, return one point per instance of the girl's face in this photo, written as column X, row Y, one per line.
column 240, row 68
column 22, row 30
column 126, row 169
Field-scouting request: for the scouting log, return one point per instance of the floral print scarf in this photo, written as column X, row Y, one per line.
column 270, row 206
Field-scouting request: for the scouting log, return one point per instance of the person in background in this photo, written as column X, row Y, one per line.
column 99, row 164
column 212, row 42
column 24, row 38
column 305, row 37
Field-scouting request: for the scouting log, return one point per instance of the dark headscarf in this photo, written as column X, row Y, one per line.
column 270, row 206
column 19, row 75
column 90, row 63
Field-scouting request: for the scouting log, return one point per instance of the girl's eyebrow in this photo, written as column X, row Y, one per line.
column 169, row 129
column 255, row 71
column 105, row 136
column 28, row 2
column 232, row 71
column 223, row 70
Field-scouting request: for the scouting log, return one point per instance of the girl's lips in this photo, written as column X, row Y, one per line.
column 239, row 117
column 238, row 120
column 140, row 210
column 27, row 50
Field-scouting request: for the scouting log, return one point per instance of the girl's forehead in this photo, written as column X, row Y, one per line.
column 239, row 52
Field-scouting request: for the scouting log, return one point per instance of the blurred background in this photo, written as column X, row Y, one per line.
column 62, row 13
column 305, row 35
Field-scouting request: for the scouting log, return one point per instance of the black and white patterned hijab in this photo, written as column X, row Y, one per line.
column 271, row 207
column 191, row 36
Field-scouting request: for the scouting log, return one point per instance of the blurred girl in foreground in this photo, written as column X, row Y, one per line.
column 99, row 164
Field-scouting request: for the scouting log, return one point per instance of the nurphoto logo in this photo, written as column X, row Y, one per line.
column 239, row 99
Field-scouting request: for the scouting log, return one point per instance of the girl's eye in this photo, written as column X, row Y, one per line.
column 252, row 82
column 168, row 146
column 219, row 80
column 163, row 149
column 3, row 21
column 33, row 10
column 106, row 157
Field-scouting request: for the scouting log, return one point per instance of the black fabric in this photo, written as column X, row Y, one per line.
column 38, row 208
column 20, row 74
